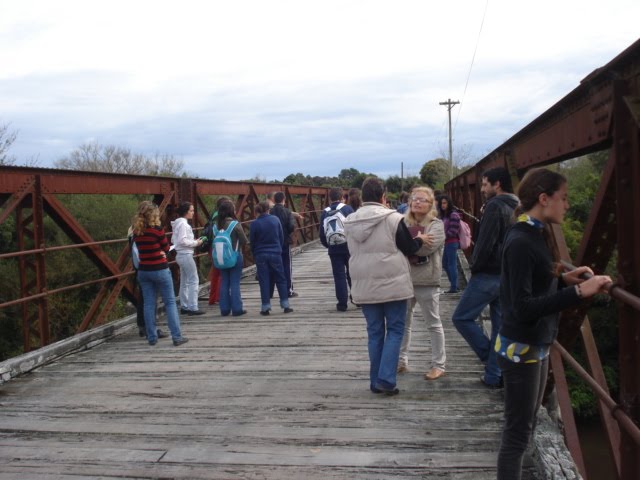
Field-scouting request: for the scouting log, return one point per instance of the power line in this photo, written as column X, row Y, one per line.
column 486, row 6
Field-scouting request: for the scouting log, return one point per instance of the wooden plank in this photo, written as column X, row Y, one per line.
column 253, row 397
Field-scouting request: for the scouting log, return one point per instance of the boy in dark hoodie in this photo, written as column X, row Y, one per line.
column 484, row 286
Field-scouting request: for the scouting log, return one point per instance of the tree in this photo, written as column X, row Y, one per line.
column 94, row 157
column 6, row 140
column 435, row 172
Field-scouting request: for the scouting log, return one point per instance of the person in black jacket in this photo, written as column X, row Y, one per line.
column 532, row 292
column 288, row 227
column 484, row 285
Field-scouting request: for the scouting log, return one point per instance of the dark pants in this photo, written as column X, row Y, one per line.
column 341, row 278
column 269, row 268
column 287, row 270
column 524, row 385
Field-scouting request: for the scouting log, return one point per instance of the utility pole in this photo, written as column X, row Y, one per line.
column 450, row 105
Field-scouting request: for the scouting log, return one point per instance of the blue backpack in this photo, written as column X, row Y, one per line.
column 223, row 253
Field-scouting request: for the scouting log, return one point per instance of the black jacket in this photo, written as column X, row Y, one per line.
column 531, row 295
column 286, row 220
column 496, row 220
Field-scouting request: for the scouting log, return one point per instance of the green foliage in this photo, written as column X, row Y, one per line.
column 435, row 173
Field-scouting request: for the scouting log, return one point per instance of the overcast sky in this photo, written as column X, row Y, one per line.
column 240, row 88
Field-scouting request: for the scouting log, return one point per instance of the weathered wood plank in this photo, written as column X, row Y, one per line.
column 253, row 398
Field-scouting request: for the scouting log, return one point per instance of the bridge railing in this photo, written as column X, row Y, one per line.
column 601, row 114
column 32, row 203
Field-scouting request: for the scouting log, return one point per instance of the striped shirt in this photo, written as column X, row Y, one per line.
column 152, row 247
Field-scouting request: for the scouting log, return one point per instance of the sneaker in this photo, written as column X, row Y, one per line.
column 161, row 334
column 265, row 312
column 493, row 386
column 292, row 294
column 153, row 342
column 179, row 341
column 184, row 311
column 191, row 313
column 288, row 310
column 239, row 313
column 142, row 331
column 451, row 290
column 341, row 308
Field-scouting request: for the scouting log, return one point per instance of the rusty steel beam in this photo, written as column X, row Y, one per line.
column 626, row 151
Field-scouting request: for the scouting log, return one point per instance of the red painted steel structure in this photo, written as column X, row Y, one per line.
column 30, row 195
column 602, row 113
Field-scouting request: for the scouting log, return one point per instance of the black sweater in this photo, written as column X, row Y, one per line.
column 531, row 295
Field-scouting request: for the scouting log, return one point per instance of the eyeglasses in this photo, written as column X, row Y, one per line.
column 420, row 200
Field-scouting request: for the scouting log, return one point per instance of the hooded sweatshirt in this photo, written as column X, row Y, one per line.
column 496, row 220
column 379, row 271
column 182, row 236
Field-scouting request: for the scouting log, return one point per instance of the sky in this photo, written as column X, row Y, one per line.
column 260, row 89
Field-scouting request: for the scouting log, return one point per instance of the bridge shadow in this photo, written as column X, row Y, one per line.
column 276, row 397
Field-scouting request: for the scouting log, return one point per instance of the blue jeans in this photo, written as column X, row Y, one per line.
column 483, row 289
column 269, row 266
column 450, row 263
column 152, row 283
column 524, row 385
column 287, row 268
column 385, row 328
column 230, row 299
column 341, row 278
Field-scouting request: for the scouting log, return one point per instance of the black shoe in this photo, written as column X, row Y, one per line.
column 384, row 391
column 452, row 291
column 292, row 294
column 161, row 334
column 288, row 310
column 493, row 386
column 191, row 313
column 184, row 311
column 142, row 331
column 239, row 313
column 180, row 341
column 265, row 312
column 341, row 308
column 153, row 342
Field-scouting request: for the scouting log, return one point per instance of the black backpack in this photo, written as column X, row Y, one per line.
column 207, row 231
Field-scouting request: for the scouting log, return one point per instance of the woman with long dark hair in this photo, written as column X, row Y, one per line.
column 354, row 199
column 451, row 219
column 230, row 298
column 153, row 271
column 532, row 293
column 185, row 244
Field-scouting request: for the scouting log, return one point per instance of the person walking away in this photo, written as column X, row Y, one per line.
column 153, row 272
column 267, row 241
column 331, row 220
column 426, row 270
column 484, row 285
column 214, row 273
column 230, row 297
column 532, row 292
column 185, row 243
column 451, row 219
column 378, row 241
column 288, row 228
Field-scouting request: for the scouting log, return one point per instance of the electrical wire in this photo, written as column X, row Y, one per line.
column 486, row 6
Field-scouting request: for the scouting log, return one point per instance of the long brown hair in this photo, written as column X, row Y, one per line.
column 147, row 215
column 534, row 183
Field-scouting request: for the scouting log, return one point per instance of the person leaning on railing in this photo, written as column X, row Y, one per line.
column 532, row 293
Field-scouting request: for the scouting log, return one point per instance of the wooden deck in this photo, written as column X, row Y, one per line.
column 279, row 397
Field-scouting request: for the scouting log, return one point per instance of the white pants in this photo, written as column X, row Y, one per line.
column 188, row 281
column 429, row 300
